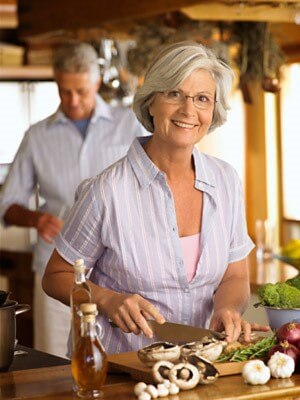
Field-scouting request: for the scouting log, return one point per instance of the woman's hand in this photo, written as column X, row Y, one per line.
column 130, row 312
column 233, row 324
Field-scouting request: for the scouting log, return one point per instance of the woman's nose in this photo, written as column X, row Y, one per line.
column 188, row 106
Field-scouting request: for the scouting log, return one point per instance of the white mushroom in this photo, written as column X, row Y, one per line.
column 161, row 370
column 211, row 351
column 207, row 371
column 158, row 351
column 162, row 390
column 152, row 390
column 139, row 388
column 185, row 376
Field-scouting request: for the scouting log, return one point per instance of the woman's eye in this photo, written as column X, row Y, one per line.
column 173, row 93
column 203, row 99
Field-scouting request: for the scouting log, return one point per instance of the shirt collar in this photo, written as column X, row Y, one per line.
column 146, row 171
column 203, row 171
column 101, row 110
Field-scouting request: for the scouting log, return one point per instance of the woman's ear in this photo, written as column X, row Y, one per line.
column 150, row 109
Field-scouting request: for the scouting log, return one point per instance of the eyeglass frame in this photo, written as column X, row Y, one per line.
column 214, row 101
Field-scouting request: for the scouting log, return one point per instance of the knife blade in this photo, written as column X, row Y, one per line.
column 180, row 333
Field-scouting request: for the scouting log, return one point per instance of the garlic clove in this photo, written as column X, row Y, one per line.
column 152, row 390
column 139, row 388
column 162, row 390
column 173, row 389
column 144, row 396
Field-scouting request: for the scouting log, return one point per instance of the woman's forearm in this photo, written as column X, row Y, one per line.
column 233, row 294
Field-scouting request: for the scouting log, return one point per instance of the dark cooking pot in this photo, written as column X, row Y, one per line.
column 8, row 314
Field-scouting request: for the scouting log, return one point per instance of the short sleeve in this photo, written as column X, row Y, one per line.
column 240, row 242
column 81, row 234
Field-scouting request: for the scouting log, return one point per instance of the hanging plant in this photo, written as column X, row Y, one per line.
column 259, row 58
column 171, row 28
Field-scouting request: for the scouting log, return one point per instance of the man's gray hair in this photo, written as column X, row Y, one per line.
column 77, row 57
column 171, row 66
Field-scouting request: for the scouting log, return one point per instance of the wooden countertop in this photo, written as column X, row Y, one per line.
column 55, row 383
column 268, row 271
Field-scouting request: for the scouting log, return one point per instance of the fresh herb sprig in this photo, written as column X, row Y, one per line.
column 255, row 350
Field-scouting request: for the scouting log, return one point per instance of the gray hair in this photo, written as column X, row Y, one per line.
column 77, row 57
column 171, row 66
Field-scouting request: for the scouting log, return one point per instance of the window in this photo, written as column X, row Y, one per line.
column 290, row 142
column 228, row 141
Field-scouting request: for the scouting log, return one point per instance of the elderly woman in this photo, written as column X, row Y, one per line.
column 163, row 230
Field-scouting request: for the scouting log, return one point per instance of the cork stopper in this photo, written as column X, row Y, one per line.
column 88, row 308
column 79, row 265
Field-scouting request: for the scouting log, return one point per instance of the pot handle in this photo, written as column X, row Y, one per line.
column 20, row 308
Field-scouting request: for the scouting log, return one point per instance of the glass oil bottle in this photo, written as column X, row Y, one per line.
column 89, row 360
column 80, row 293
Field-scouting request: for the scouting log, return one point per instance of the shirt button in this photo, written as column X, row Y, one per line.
column 186, row 290
column 174, row 229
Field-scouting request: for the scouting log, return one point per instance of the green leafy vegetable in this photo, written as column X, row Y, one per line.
column 280, row 294
column 255, row 350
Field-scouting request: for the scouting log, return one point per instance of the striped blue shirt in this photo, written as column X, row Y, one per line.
column 54, row 155
column 123, row 225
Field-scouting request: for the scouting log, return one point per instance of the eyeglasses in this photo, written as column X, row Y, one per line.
column 177, row 97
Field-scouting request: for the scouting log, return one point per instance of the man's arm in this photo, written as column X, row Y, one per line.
column 47, row 225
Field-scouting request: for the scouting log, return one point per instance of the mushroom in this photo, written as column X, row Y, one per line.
column 185, row 376
column 208, row 348
column 161, row 370
column 211, row 351
column 158, row 351
column 207, row 372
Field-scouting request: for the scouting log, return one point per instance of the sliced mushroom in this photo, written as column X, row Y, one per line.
column 185, row 376
column 161, row 370
column 211, row 351
column 190, row 348
column 207, row 372
column 208, row 348
column 158, row 351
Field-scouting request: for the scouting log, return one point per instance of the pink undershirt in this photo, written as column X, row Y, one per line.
column 190, row 246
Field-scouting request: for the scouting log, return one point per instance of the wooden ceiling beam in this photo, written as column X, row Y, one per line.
column 37, row 17
column 242, row 12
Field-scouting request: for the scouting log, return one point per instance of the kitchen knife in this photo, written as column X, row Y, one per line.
column 179, row 333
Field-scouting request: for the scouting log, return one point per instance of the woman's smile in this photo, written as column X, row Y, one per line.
column 185, row 125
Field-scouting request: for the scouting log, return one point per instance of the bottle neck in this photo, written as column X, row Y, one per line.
column 79, row 277
column 89, row 327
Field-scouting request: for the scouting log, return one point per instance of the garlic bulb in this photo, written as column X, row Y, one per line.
column 256, row 372
column 281, row 365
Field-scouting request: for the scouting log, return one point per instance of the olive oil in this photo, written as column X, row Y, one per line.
column 89, row 360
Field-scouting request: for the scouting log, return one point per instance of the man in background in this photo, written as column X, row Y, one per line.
column 83, row 137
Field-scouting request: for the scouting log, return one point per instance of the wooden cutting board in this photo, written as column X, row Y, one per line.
column 131, row 364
